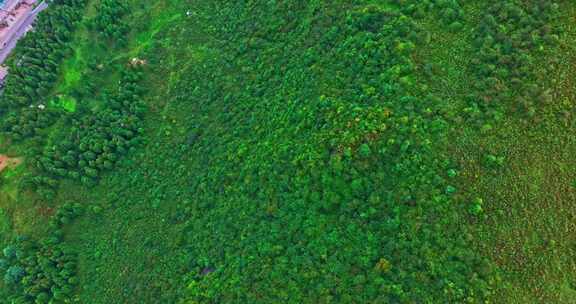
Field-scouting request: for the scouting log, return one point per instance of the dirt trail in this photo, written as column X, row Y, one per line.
column 8, row 162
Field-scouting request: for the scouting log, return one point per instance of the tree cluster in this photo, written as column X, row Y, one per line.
column 33, row 73
column 110, row 23
column 42, row 271
column 325, row 159
column 97, row 141
column 450, row 12
column 505, row 41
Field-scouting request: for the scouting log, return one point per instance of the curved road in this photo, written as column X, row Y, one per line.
column 19, row 31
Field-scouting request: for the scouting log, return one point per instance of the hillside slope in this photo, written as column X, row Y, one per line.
column 291, row 152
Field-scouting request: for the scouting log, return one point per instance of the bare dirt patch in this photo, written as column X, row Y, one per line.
column 9, row 162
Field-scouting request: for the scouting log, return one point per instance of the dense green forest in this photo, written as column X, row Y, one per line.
column 287, row 151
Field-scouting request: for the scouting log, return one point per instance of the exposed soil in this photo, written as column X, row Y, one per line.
column 8, row 162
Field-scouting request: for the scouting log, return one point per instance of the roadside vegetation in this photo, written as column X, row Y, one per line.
column 295, row 152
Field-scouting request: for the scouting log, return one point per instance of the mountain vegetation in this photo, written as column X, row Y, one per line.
column 414, row 151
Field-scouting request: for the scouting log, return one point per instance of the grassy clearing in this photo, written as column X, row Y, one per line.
column 161, row 16
column 84, row 48
column 67, row 103
column 530, row 211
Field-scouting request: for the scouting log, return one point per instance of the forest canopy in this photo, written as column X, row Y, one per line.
column 290, row 152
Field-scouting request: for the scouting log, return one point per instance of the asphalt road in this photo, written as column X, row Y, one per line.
column 9, row 4
column 18, row 32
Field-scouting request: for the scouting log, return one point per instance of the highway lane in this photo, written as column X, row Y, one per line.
column 20, row 31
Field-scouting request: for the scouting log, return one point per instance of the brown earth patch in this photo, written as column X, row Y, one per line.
column 8, row 162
